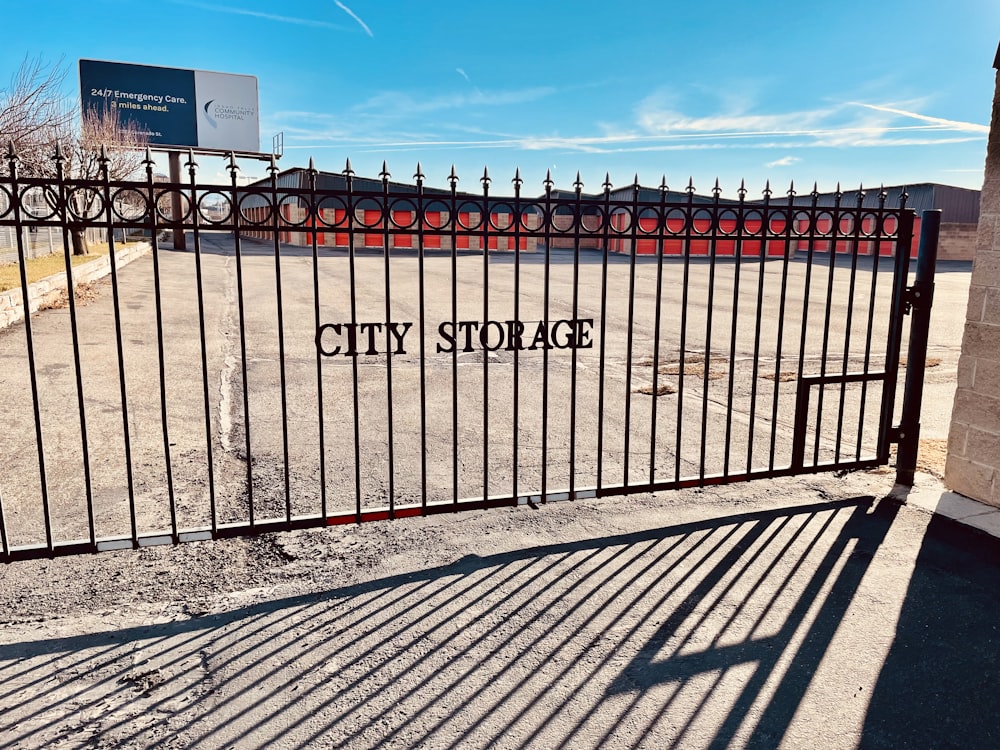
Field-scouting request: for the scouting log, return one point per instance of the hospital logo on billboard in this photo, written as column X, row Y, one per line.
column 215, row 110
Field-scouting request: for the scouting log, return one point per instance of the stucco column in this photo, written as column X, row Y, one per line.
column 973, row 466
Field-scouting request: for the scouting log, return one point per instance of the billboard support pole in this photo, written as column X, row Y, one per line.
column 175, row 200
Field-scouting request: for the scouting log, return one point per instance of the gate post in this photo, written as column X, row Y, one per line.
column 918, row 298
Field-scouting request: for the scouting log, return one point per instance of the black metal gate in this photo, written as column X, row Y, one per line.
column 336, row 349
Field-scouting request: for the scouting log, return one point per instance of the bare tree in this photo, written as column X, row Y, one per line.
column 103, row 140
column 34, row 113
column 48, row 135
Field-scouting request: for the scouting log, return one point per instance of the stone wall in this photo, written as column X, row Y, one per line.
column 50, row 289
column 957, row 241
column 973, row 466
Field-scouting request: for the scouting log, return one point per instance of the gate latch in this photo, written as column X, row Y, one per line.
column 911, row 295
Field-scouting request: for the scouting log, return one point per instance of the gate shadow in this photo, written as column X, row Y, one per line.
column 702, row 633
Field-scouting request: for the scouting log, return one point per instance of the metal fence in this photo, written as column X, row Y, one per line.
column 335, row 349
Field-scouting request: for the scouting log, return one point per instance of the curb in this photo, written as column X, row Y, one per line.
column 50, row 288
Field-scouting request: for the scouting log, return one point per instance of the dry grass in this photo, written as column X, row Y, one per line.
column 693, row 369
column 40, row 268
column 663, row 389
column 929, row 362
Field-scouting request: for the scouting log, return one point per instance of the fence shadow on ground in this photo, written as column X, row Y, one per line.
column 700, row 634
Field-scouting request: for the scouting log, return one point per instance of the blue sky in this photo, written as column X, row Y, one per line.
column 850, row 91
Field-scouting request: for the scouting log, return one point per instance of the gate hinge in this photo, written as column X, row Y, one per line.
column 893, row 434
column 913, row 295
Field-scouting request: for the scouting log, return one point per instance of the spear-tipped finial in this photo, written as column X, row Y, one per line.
column 882, row 191
column 190, row 163
column 57, row 156
column 837, row 191
column 607, row 182
column 485, row 179
column 742, row 192
column 348, row 170
column 716, row 190
column 148, row 160
column 815, row 190
column 517, row 178
column 635, row 181
column 103, row 156
column 233, row 166
column 453, row 177
column 312, row 164
column 384, row 174
column 578, row 183
column 419, row 174
column 11, row 154
column 663, row 184
column 273, row 167
column 690, row 186
column 791, row 189
column 547, row 182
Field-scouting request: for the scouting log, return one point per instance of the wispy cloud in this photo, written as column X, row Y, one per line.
column 316, row 23
column 355, row 16
column 658, row 125
column 463, row 74
column 971, row 127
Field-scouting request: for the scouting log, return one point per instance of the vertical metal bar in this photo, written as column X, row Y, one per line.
column 64, row 199
column 273, row 170
column 116, row 306
column 486, row 217
column 196, row 236
column 657, row 319
column 578, row 187
column 315, row 218
column 351, row 219
column 826, row 323
column 879, row 233
column 801, row 420
column 515, row 466
column 738, row 263
column 895, row 335
column 4, row 543
column 549, row 219
column 453, row 219
column 30, row 342
column 161, row 359
column 707, row 362
column 685, row 288
column 608, row 218
column 922, row 297
column 630, row 335
column 237, row 210
column 764, row 236
column 387, row 279
column 789, row 222
column 421, row 209
column 855, row 244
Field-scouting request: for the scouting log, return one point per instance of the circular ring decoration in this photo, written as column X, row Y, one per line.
column 368, row 213
column 39, row 203
column 6, row 202
column 294, row 211
column 532, row 217
column 403, row 206
column 164, row 206
column 255, row 209
column 729, row 221
column 130, row 205
column 869, row 225
column 331, row 212
column 890, row 225
column 620, row 220
column 502, row 217
column 702, row 221
column 468, row 209
column 215, row 207
column 823, row 224
column 777, row 223
column 650, row 221
column 564, row 219
column 753, row 223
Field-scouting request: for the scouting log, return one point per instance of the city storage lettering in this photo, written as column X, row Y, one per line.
column 357, row 339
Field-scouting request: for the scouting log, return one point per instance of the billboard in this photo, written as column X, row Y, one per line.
column 174, row 106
